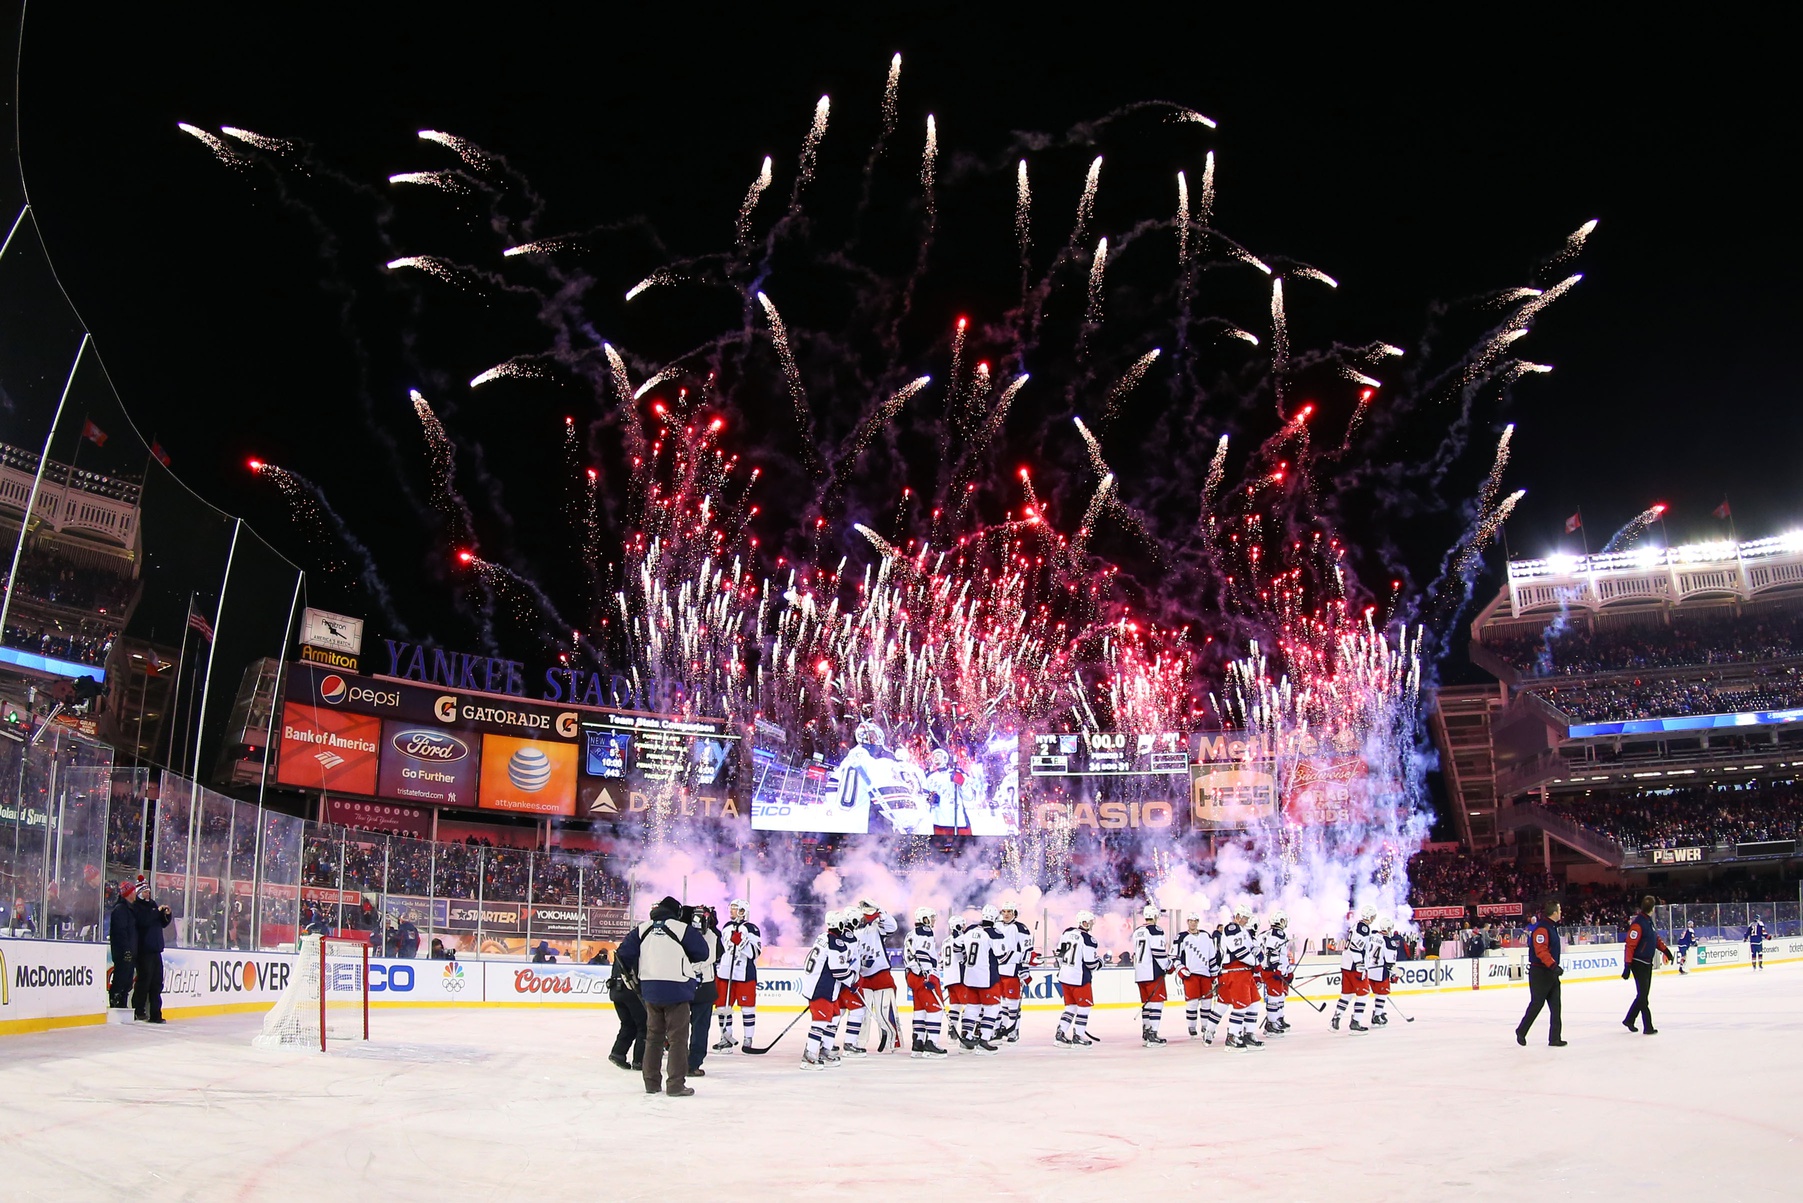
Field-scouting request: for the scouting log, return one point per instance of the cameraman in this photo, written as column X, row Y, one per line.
column 147, row 991
column 663, row 952
column 701, row 1011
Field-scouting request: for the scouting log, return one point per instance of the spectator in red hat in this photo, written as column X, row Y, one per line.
column 122, row 935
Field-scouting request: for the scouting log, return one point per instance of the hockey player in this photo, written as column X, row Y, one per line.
column 1353, row 985
column 1687, row 940
column 1382, row 952
column 1195, row 959
column 873, row 776
column 1238, row 988
column 921, row 960
column 983, row 949
column 736, row 976
column 1017, row 938
column 952, row 794
column 1756, row 941
column 951, row 973
column 1151, row 962
column 825, row 974
column 876, row 981
column 1078, row 957
column 1276, row 970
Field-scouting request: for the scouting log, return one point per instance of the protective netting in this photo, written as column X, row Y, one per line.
column 332, row 972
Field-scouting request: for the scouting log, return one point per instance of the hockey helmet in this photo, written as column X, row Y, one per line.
column 832, row 920
column 869, row 733
column 1085, row 920
column 1242, row 910
column 1149, row 912
column 957, row 924
column 738, row 908
column 940, row 759
column 1193, row 921
column 1385, row 924
column 1367, row 913
column 925, row 914
column 1008, row 907
column 990, row 914
column 1279, row 917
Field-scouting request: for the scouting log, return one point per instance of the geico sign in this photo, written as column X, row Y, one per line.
column 531, row 981
column 230, row 977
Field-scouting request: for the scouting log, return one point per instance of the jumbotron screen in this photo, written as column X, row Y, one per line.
column 874, row 789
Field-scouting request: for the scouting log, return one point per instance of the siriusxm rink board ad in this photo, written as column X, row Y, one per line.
column 379, row 738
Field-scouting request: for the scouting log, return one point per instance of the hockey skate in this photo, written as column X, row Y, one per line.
column 1082, row 1039
column 1058, row 1037
column 1271, row 1029
column 1335, row 1022
column 1248, row 1040
column 1014, row 1034
column 1356, row 1026
column 1232, row 1041
column 1284, row 1024
column 830, row 1057
column 915, row 1051
column 1208, row 1033
column 724, row 1044
column 929, row 1049
column 809, row 1061
column 854, row 1051
column 1378, row 1021
column 985, row 1049
column 969, row 1045
column 1151, row 1039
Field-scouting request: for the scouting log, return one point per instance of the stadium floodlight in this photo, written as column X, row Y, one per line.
column 1562, row 564
column 1792, row 540
column 1646, row 557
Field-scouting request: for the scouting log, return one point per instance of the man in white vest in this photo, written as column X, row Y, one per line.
column 663, row 953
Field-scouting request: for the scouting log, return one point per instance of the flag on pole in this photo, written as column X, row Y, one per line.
column 93, row 433
column 1722, row 511
column 199, row 622
column 1575, row 522
column 158, row 454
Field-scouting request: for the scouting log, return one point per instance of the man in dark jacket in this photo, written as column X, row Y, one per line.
column 147, row 992
column 629, row 1045
column 406, row 938
column 122, row 934
column 663, row 953
column 1643, row 941
column 1544, row 972
column 701, row 1011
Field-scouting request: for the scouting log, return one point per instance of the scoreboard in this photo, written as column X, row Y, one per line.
column 1110, row 754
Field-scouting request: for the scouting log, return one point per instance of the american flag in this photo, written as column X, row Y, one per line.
column 199, row 622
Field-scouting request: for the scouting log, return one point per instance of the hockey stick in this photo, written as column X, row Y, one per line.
column 1292, row 992
column 1398, row 1010
column 758, row 1052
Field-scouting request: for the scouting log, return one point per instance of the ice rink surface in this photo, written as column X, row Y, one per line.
column 522, row 1105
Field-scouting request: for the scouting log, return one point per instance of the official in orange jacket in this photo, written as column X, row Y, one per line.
column 1643, row 941
column 1544, row 971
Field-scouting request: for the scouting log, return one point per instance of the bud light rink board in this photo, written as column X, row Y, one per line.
column 47, row 984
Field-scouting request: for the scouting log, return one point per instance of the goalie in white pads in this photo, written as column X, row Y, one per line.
column 1078, row 957
column 1151, row 962
column 921, row 959
column 736, row 976
column 876, row 981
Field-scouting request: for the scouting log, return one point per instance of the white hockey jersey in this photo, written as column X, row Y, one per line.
column 1238, row 947
column 1195, row 952
column 739, row 957
column 1352, row 956
column 1017, row 941
column 873, row 776
column 1078, row 957
column 920, row 956
column 955, row 793
column 982, row 949
column 1274, row 947
column 870, row 955
column 1380, row 955
column 1151, row 953
column 827, row 969
column 951, row 959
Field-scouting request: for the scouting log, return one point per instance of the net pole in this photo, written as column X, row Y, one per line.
column 322, row 996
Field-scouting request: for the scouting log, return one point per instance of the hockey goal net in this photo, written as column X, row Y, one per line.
column 327, row 998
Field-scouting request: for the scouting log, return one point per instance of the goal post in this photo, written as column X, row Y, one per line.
column 327, row 997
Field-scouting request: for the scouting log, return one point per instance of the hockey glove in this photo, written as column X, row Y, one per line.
column 1624, row 973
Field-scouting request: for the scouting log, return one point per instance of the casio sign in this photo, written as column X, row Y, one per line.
column 434, row 746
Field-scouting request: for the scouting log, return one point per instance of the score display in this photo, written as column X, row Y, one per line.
column 1110, row 754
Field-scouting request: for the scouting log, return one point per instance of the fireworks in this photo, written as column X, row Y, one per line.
column 1086, row 204
column 213, row 143
column 742, row 229
column 448, row 181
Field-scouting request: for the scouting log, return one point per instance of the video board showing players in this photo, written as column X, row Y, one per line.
column 877, row 789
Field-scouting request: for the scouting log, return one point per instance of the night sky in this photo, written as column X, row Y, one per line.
column 1412, row 163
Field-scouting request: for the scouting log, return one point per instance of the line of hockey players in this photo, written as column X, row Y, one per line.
column 968, row 990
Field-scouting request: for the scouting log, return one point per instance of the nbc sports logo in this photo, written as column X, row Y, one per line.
column 332, row 689
column 529, row 769
column 453, row 976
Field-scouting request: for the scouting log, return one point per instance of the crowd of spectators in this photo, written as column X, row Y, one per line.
column 1691, row 639
column 87, row 644
column 1458, row 878
column 475, row 868
column 53, row 579
column 1619, row 698
column 1690, row 816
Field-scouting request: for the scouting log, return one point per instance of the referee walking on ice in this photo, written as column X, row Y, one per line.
column 1643, row 939
column 1543, row 976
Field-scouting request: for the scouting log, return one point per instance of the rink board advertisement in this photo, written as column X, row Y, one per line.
column 47, row 984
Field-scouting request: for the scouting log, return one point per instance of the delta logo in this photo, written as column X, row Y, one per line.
column 333, row 689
